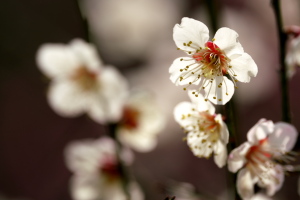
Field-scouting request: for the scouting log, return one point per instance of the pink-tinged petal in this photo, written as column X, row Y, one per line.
column 245, row 184
column 181, row 111
column 57, row 60
column 284, row 136
column 244, row 67
column 138, row 142
column 190, row 30
column 273, row 181
column 226, row 39
column 260, row 131
column 67, row 99
column 87, row 54
column 177, row 70
column 85, row 187
column 236, row 159
column 224, row 133
column 219, row 95
column 220, row 154
column 200, row 103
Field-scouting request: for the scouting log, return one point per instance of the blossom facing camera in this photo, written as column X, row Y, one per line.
column 141, row 121
column 207, row 134
column 260, row 160
column 210, row 62
column 96, row 173
column 80, row 83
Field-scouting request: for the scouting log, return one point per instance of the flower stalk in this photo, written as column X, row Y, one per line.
column 286, row 115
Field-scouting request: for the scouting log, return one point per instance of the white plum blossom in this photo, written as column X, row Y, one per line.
column 259, row 159
column 96, row 174
column 80, row 82
column 292, row 58
column 206, row 131
column 210, row 62
column 141, row 121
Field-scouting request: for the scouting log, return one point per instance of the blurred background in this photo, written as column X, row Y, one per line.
column 135, row 36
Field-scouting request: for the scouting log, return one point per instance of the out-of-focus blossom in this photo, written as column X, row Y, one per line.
column 127, row 29
column 206, row 131
column 142, row 120
column 210, row 61
column 260, row 196
column 183, row 191
column 80, row 83
column 259, row 159
column 292, row 58
column 96, row 171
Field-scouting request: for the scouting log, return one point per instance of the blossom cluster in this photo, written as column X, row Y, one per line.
column 81, row 84
column 215, row 66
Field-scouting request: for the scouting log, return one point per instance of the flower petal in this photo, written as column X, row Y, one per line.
column 274, row 181
column 190, row 30
column 244, row 67
column 219, row 95
column 85, row 187
column 181, row 110
column 200, row 103
column 220, row 154
column 108, row 101
column 260, row 130
column 224, row 133
column 245, row 184
column 236, row 158
column 226, row 39
column 67, row 99
column 56, row 60
column 284, row 136
column 87, row 54
column 176, row 71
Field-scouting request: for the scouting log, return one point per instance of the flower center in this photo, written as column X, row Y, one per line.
column 214, row 60
column 130, row 118
column 207, row 122
column 85, row 79
column 109, row 168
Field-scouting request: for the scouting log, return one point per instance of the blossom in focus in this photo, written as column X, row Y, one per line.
column 80, row 83
column 96, row 173
column 292, row 58
column 206, row 131
column 141, row 121
column 210, row 62
column 259, row 160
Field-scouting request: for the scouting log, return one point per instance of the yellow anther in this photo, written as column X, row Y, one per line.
column 184, row 44
column 181, row 59
column 203, row 141
column 214, row 97
column 193, row 73
column 220, row 99
column 213, row 39
column 190, row 83
column 236, row 87
column 205, row 99
column 193, row 92
column 184, row 88
column 190, row 42
column 226, row 93
column 203, row 87
column 196, row 95
column 181, row 70
column 178, row 48
column 189, row 52
column 230, row 66
column 187, row 67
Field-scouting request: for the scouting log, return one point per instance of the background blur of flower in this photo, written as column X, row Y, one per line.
column 136, row 37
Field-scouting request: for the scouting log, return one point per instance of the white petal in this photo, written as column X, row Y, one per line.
column 181, row 110
column 85, row 187
column 224, row 133
column 57, row 60
column 190, row 30
column 245, row 184
column 273, row 181
column 140, row 142
column 260, row 196
column 175, row 72
column 66, row 98
column 236, row 158
column 84, row 156
column 226, row 40
column 260, row 130
column 199, row 149
column 220, row 154
column 111, row 96
column 87, row 54
column 284, row 136
column 200, row 103
column 222, row 95
column 243, row 67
